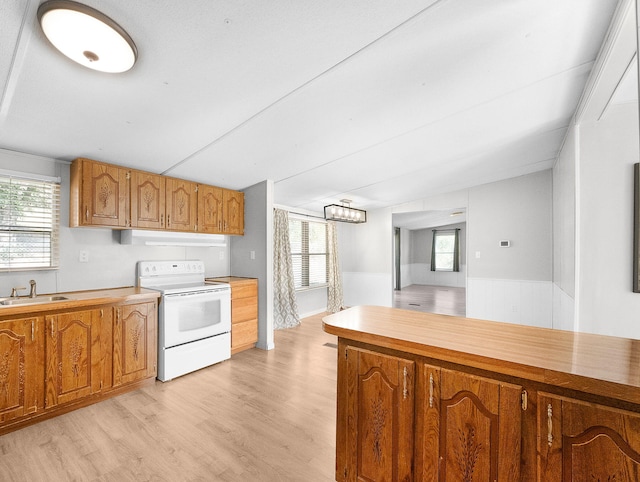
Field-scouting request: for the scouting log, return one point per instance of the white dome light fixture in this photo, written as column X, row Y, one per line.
column 87, row 36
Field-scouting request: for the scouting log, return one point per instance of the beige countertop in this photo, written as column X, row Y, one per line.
column 79, row 299
column 602, row 365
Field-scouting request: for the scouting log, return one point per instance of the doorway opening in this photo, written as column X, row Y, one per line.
column 419, row 285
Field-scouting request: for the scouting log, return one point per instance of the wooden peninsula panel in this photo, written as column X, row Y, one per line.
column 493, row 401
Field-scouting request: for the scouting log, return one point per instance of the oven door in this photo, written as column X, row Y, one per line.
column 191, row 316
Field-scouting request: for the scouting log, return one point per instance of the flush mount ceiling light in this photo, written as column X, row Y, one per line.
column 345, row 213
column 87, row 36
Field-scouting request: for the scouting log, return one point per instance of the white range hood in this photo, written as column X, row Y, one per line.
column 168, row 238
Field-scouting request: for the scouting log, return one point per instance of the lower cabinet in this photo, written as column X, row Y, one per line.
column 403, row 417
column 580, row 441
column 379, row 414
column 21, row 368
column 470, row 429
column 74, row 358
column 134, row 343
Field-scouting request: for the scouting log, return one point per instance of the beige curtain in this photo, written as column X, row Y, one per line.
column 334, row 295
column 285, row 308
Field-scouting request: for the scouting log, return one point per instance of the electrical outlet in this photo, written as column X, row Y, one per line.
column 221, row 255
column 477, row 254
column 252, row 254
column 83, row 257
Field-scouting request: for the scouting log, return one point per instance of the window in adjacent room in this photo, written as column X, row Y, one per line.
column 309, row 256
column 29, row 222
column 445, row 251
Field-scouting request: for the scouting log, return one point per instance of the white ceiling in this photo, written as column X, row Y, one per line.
column 378, row 101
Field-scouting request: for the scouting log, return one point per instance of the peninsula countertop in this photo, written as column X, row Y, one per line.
column 600, row 365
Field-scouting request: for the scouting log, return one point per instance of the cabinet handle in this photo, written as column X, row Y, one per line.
column 32, row 330
column 86, row 213
column 550, row 425
column 117, row 317
column 162, row 220
column 405, row 392
column 431, row 390
column 168, row 220
column 525, row 400
column 52, row 335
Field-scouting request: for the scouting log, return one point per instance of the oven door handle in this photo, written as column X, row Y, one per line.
column 195, row 293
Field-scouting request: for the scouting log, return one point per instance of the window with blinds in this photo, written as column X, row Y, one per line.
column 309, row 256
column 29, row 223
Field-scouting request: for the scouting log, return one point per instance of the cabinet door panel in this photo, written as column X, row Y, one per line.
column 233, row 212
column 244, row 309
column 380, row 416
column 591, row 442
column 21, row 368
column 105, row 194
column 181, row 205
column 210, row 209
column 479, row 429
column 134, row 343
column 147, row 200
column 73, row 356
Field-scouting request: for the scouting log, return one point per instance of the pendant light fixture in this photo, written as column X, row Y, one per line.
column 345, row 213
column 87, row 36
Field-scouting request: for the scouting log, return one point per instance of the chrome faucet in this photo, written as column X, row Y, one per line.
column 32, row 293
column 14, row 291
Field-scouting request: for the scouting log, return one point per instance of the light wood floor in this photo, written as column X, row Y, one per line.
column 262, row 416
column 445, row 300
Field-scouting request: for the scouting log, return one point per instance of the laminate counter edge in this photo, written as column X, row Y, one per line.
column 593, row 364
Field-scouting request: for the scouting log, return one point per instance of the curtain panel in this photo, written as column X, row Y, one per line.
column 334, row 293
column 285, row 307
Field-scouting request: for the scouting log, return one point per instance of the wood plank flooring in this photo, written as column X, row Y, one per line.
column 261, row 416
column 445, row 300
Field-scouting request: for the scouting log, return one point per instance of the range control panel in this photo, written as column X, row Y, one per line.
column 170, row 268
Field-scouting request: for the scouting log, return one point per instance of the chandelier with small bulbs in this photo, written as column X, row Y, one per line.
column 344, row 213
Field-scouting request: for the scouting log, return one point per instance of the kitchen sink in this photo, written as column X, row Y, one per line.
column 31, row 301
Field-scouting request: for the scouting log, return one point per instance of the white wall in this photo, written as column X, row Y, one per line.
column 593, row 194
column 111, row 264
column 564, row 238
column 517, row 278
column 608, row 150
column 366, row 258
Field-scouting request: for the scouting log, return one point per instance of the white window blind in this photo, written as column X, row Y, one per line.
column 29, row 223
column 308, row 241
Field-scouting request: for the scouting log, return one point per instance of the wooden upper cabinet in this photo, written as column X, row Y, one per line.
column 220, row 211
column 210, row 209
column 470, row 428
column 233, row 212
column 147, row 200
column 106, row 195
column 380, row 413
column 21, row 374
column 99, row 194
column 582, row 441
column 181, row 205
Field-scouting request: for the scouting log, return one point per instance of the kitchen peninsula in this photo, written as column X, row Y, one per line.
column 433, row 397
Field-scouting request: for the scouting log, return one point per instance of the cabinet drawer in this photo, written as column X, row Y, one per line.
column 244, row 309
column 245, row 333
column 248, row 289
